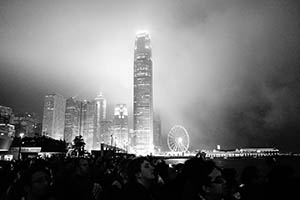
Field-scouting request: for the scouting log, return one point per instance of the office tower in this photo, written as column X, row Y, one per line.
column 7, row 129
column 106, row 132
column 54, row 116
column 26, row 123
column 72, row 119
column 157, row 133
column 143, row 99
column 120, row 126
column 87, row 124
column 100, row 104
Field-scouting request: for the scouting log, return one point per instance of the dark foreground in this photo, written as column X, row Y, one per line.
column 128, row 177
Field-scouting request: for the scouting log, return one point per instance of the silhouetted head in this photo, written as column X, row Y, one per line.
column 82, row 166
column 37, row 182
column 140, row 170
column 205, row 176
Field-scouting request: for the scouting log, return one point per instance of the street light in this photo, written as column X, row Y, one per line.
column 20, row 146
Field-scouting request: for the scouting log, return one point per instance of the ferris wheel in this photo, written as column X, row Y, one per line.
column 178, row 139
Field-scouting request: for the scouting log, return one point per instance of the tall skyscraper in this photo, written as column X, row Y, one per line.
column 106, row 135
column 120, row 126
column 72, row 119
column 100, row 104
column 143, row 98
column 54, row 116
column 87, row 125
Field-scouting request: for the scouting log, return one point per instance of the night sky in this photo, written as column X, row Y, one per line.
column 228, row 71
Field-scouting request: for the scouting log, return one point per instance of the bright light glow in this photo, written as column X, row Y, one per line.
column 180, row 140
column 22, row 135
column 142, row 33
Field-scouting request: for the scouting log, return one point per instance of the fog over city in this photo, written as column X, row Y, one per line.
column 228, row 71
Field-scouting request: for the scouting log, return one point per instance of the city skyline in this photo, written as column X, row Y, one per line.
column 228, row 71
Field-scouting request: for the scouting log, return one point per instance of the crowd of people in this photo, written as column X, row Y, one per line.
column 125, row 176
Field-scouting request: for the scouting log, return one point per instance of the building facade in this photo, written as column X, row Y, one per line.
column 100, row 105
column 26, row 123
column 106, row 135
column 87, row 123
column 72, row 119
column 157, row 134
column 120, row 126
column 54, row 116
column 143, row 97
column 7, row 129
column 6, row 115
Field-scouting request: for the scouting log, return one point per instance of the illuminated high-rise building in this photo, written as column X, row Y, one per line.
column 72, row 119
column 143, row 98
column 120, row 126
column 7, row 129
column 106, row 133
column 26, row 123
column 54, row 116
column 100, row 104
column 87, row 124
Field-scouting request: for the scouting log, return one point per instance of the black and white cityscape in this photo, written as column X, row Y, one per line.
column 65, row 118
column 152, row 100
column 152, row 76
